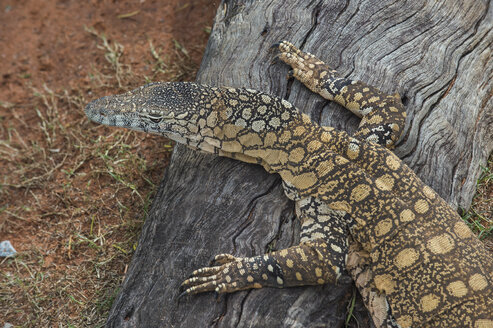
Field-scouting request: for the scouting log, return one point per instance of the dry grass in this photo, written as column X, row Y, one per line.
column 480, row 215
column 79, row 192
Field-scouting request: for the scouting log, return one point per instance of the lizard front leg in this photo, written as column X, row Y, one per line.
column 383, row 116
column 319, row 259
column 306, row 264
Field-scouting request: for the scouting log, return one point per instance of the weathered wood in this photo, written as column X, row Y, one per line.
column 436, row 54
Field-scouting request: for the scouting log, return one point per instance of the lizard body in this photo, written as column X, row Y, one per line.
column 413, row 259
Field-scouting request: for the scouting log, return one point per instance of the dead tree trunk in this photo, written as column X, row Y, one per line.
column 436, row 54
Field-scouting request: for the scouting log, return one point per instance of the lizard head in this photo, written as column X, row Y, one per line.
column 200, row 116
column 166, row 109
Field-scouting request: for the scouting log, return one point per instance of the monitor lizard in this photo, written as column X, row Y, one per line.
column 415, row 262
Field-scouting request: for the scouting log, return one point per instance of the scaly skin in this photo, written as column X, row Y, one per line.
column 407, row 247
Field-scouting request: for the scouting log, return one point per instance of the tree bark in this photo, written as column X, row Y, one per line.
column 436, row 54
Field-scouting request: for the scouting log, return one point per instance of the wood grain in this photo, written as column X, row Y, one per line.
column 436, row 54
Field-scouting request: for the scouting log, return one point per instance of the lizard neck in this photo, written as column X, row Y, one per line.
column 276, row 150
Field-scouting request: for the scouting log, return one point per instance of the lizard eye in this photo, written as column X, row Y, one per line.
column 155, row 119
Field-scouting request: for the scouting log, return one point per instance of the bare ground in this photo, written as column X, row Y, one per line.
column 73, row 195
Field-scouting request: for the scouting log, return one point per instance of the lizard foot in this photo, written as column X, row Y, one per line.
column 226, row 274
column 307, row 68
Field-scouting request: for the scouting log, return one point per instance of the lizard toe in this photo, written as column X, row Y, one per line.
column 221, row 259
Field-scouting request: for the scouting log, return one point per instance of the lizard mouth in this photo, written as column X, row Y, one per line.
column 112, row 111
column 102, row 109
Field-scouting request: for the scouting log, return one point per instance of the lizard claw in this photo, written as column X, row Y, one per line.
column 275, row 46
column 182, row 294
